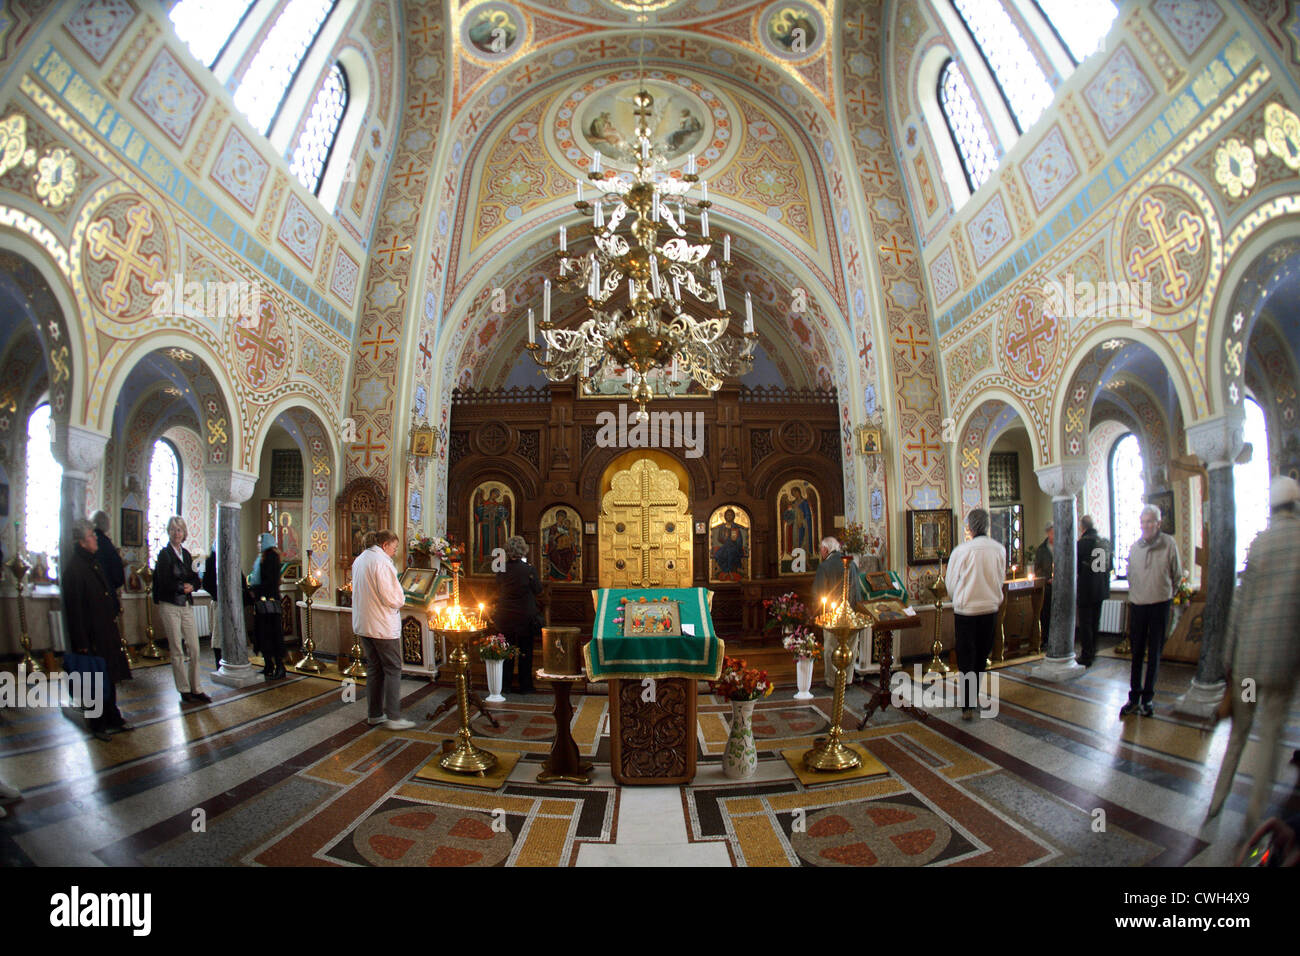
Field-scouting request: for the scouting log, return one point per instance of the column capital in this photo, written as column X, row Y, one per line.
column 1218, row 441
column 78, row 449
column 1064, row 480
column 228, row 486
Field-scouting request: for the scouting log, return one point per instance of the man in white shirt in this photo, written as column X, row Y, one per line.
column 975, row 574
column 376, row 600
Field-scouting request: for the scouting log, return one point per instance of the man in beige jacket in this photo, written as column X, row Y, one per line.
column 376, row 600
column 1154, row 570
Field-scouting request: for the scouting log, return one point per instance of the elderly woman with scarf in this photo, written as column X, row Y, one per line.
column 268, row 634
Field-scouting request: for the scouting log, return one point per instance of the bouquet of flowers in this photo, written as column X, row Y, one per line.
column 803, row 644
column 854, row 540
column 495, row 648
column 785, row 611
column 1183, row 593
column 439, row 547
column 738, row 682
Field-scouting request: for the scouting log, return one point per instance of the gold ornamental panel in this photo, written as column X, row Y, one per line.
column 646, row 531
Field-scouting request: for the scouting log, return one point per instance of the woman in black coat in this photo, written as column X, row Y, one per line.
column 90, row 613
column 268, row 634
column 516, row 611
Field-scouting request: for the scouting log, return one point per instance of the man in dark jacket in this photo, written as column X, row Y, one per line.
column 516, row 611
column 90, row 613
column 109, row 559
column 1044, row 566
column 1093, row 586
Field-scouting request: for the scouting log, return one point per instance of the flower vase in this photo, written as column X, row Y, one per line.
column 740, row 759
column 803, row 671
column 494, row 669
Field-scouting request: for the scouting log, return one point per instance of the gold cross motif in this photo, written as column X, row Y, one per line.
column 104, row 242
column 649, row 496
column 1186, row 237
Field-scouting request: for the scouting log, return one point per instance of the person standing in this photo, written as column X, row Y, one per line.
column 1154, row 570
column 109, row 559
column 268, row 626
column 91, row 615
column 1261, row 645
column 376, row 600
column 516, row 612
column 1044, row 565
column 174, row 583
column 1094, row 564
column 976, row 571
column 828, row 583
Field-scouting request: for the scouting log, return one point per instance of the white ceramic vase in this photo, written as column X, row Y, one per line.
column 740, row 759
column 494, row 669
column 803, row 672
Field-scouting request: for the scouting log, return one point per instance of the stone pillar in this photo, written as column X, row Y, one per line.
column 1217, row 443
column 1062, row 482
column 230, row 489
column 79, row 450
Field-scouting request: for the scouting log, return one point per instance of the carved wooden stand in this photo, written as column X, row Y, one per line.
column 885, row 654
column 564, row 763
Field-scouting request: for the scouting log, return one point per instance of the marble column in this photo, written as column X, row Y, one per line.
column 229, row 489
column 79, row 450
column 1062, row 482
column 1217, row 443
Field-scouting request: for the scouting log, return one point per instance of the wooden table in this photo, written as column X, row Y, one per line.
column 564, row 763
column 883, row 633
column 1019, row 629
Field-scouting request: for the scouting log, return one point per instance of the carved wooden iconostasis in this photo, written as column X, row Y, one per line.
column 547, row 455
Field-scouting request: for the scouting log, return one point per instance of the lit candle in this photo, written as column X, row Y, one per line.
column 726, row 247
column 546, row 301
column 595, row 162
column 480, row 613
column 532, row 327
column 564, row 239
column 749, row 313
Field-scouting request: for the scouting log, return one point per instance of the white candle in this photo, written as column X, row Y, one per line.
column 532, row 327
column 598, row 217
column 704, row 189
column 726, row 247
column 690, row 164
column 673, row 374
column 578, row 183
column 564, row 239
column 654, row 207
column 677, row 288
column 631, row 290
column 704, row 224
column 645, row 149
column 717, row 286
column 546, row 301
column 564, row 268
column 654, row 276
column 595, row 162
column 749, row 313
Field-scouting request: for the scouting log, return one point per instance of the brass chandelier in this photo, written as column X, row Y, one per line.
column 636, row 284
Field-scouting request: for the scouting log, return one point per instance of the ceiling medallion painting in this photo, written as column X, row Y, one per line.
column 493, row 31
column 791, row 30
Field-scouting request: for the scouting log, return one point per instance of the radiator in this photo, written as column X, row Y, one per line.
column 1112, row 616
column 203, row 619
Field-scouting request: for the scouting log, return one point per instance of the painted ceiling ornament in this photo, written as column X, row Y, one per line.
column 1234, row 168
column 56, row 177
column 1282, row 134
column 792, row 30
column 13, row 141
column 1237, row 321
column 179, row 355
column 493, row 31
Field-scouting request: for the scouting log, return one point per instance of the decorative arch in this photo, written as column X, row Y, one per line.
column 978, row 430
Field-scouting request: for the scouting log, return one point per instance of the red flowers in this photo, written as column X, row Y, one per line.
column 738, row 682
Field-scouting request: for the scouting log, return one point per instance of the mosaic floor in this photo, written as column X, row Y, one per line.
column 291, row 774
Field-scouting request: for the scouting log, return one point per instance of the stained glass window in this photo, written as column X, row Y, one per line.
column 1250, row 482
column 322, row 127
column 1013, row 66
column 970, row 135
column 41, row 531
column 1080, row 26
column 264, row 84
column 164, row 492
column 206, row 26
column 1127, row 487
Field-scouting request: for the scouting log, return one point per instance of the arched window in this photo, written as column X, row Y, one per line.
column 970, row 135
column 1126, row 499
column 1019, row 77
column 1250, row 482
column 164, row 491
column 1079, row 26
column 318, row 136
column 206, row 26
column 44, row 484
column 264, row 84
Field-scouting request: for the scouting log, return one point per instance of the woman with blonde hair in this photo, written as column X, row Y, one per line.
column 174, row 583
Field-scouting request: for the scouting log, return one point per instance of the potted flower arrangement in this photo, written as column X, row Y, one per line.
column 428, row 550
column 494, row 651
column 805, row 647
column 742, row 686
column 854, row 540
column 786, row 612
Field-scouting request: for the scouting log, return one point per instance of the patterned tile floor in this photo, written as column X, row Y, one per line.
column 291, row 774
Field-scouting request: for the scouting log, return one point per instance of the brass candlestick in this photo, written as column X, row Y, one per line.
column 308, row 585
column 151, row 650
column 19, row 568
column 940, row 590
column 829, row 753
column 460, row 629
column 357, row 669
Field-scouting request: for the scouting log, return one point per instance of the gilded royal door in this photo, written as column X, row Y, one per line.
column 645, row 530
